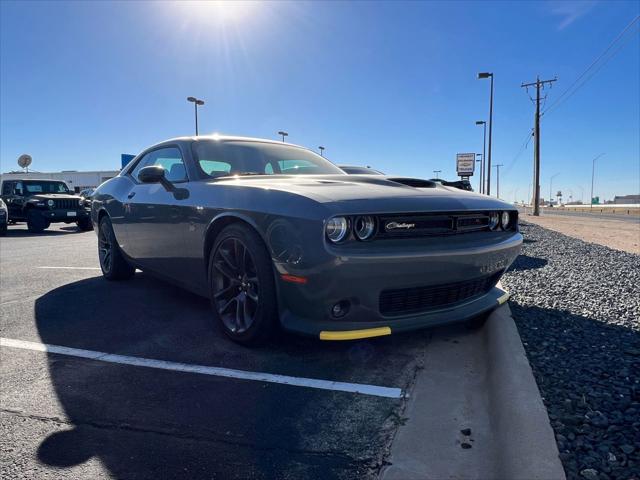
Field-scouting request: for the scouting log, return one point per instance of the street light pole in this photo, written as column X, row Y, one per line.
column 498, row 179
column 283, row 134
column 488, row 167
column 480, row 171
column 593, row 174
column 437, row 173
column 484, row 152
column 550, row 184
column 196, row 102
column 321, row 148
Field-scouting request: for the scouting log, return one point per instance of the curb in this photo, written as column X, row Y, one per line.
column 482, row 381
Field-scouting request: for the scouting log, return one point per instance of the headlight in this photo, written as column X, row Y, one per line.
column 337, row 229
column 51, row 203
column 364, row 226
column 493, row 220
column 505, row 218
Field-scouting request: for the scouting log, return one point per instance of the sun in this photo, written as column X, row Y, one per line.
column 220, row 12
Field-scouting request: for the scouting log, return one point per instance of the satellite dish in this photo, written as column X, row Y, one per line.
column 24, row 160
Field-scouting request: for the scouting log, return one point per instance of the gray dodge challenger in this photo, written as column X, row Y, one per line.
column 276, row 235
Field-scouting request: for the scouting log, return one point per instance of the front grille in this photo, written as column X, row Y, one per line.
column 423, row 225
column 66, row 203
column 421, row 299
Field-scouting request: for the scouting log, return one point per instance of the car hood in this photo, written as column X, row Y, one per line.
column 53, row 196
column 369, row 193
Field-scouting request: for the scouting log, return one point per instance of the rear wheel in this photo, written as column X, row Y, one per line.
column 36, row 223
column 242, row 288
column 112, row 262
column 84, row 224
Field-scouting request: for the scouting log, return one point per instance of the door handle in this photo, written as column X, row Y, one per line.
column 131, row 195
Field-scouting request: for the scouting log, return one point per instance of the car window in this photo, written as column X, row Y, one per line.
column 36, row 186
column 18, row 189
column 220, row 158
column 213, row 167
column 168, row 158
column 7, row 188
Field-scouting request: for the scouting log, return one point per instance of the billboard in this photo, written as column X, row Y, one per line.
column 465, row 164
column 126, row 158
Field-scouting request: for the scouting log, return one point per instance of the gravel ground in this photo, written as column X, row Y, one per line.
column 577, row 306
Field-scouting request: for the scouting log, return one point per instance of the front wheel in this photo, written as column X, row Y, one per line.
column 36, row 223
column 84, row 224
column 242, row 287
column 112, row 262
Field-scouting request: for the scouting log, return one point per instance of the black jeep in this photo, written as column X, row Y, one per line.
column 42, row 202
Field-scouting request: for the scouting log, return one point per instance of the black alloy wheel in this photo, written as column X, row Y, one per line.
column 242, row 285
column 114, row 266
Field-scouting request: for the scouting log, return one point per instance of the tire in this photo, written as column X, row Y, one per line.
column 84, row 224
column 36, row 223
column 112, row 262
column 241, row 286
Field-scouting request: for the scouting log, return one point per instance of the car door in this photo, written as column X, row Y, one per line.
column 12, row 192
column 156, row 219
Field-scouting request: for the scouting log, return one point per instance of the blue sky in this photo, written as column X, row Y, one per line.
column 386, row 84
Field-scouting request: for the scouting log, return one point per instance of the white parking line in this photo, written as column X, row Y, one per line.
column 70, row 268
column 373, row 390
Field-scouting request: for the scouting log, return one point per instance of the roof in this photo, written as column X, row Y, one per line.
column 228, row 138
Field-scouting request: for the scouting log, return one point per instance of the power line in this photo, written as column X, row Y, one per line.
column 563, row 98
column 523, row 147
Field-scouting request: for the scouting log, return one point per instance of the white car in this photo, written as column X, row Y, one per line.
column 4, row 218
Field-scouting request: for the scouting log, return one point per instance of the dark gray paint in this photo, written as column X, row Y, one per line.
column 168, row 236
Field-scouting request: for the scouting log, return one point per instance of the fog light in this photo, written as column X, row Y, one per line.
column 340, row 309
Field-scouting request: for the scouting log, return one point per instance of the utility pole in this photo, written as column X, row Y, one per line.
column 536, row 168
column 321, row 150
column 498, row 179
column 593, row 175
column 437, row 173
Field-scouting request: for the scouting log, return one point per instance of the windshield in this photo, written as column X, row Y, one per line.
column 40, row 186
column 218, row 159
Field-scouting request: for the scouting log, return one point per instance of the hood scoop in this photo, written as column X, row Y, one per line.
column 413, row 182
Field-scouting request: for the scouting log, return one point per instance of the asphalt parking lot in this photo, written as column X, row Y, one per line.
column 65, row 416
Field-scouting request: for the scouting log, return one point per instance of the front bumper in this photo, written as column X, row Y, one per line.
column 64, row 215
column 360, row 275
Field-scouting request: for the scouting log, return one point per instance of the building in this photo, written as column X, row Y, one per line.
column 75, row 180
column 626, row 199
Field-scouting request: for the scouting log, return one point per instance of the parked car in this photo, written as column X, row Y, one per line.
column 276, row 235
column 86, row 196
column 4, row 218
column 358, row 170
column 459, row 184
column 43, row 202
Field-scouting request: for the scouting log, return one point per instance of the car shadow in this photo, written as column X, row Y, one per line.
column 526, row 262
column 146, row 423
column 588, row 373
column 17, row 232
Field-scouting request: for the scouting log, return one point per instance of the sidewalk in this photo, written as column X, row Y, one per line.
column 475, row 411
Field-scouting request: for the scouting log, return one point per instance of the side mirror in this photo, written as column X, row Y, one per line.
column 151, row 174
